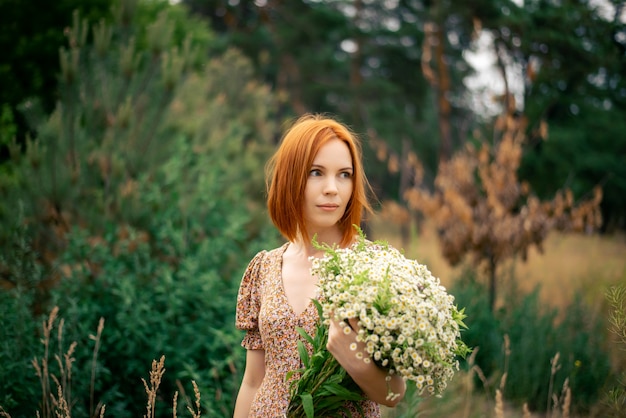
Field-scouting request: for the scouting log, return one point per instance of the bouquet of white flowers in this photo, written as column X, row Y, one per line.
column 407, row 321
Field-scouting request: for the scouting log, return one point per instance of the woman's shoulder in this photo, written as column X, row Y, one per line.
column 269, row 255
column 263, row 262
column 276, row 253
column 280, row 249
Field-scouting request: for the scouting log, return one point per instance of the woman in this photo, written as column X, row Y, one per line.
column 316, row 187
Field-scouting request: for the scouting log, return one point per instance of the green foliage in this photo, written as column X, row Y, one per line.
column 305, row 50
column 483, row 330
column 412, row 404
column 29, row 63
column 321, row 387
column 614, row 402
column 166, row 290
column 7, row 126
column 123, row 103
column 143, row 192
column 536, row 334
column 172, row 300
column 169, row 290
column 19, row 341
column 8, row 131
column 573, row 55
column 583, row 151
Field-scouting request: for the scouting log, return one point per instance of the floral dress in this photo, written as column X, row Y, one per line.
column 270, row 322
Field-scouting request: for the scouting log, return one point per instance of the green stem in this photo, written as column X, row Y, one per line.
column 330, row 366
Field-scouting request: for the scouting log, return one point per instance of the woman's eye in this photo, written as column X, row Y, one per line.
column 315, row 173
column 346, row 175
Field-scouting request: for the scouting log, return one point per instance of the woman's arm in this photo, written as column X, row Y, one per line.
column 370, row 378
column 252, row 378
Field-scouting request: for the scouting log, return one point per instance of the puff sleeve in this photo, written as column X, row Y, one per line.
column 249, row 303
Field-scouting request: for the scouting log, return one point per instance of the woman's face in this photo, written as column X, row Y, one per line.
column 329, row 187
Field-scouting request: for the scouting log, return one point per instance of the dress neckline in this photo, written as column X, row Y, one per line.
column 283, row 291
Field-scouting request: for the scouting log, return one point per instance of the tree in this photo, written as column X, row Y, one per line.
column 480, row 207
column 30, row 60
column 395, row 72
column 143, row 198
column 359, row 60
column 570, row 57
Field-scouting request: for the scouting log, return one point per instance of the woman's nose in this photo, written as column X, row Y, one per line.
column 330, row 186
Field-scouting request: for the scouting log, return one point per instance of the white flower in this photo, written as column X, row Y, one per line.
column 407, row 320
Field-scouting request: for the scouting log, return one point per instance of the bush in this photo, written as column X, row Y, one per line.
column 483, row 333
column 168, row 290
column 19, row 333
column 143, row 195
column 536, row 334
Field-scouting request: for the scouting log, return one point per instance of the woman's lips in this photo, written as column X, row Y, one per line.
column 328, row 208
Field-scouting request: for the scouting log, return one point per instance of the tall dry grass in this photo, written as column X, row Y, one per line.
column 463, row 400
column 590, row 265
column 569, row 262
column 56, row 388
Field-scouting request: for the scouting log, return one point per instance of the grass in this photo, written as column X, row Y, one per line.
column 56, row 399
column 461, row 400
column 589, row 265
column 569, row 263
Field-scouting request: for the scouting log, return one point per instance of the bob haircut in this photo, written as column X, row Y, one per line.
column 288, row 170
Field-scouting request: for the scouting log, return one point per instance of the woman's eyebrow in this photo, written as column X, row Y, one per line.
column 341, row 169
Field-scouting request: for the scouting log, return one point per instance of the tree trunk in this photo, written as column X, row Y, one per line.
column 443, row 88
column 433, row 56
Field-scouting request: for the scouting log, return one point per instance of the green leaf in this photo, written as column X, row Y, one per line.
column 307, row 404
column 344, row 393
column 320, row 309
column 304, row 335
column 304, row 355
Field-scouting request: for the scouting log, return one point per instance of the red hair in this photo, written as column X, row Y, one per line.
column 288, row 171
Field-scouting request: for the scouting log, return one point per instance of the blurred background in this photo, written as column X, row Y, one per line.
column 133, row 138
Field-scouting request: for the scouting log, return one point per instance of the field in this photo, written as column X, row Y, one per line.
column 570, row 264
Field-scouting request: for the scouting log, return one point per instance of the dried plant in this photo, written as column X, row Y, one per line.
column 96, row 338
column 507, row 355
column 554, row 367
column 59, row 405
column 193, row 408
column 55, row 405
column 156, row 374
column 62, row 407
column 480, row 207
column 41, row 368
column 566, row 400
column 195, row 412
column 469, row 381
column 499, row 409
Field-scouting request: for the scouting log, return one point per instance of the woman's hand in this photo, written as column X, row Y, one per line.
column 375, row 382
column 342, row 341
